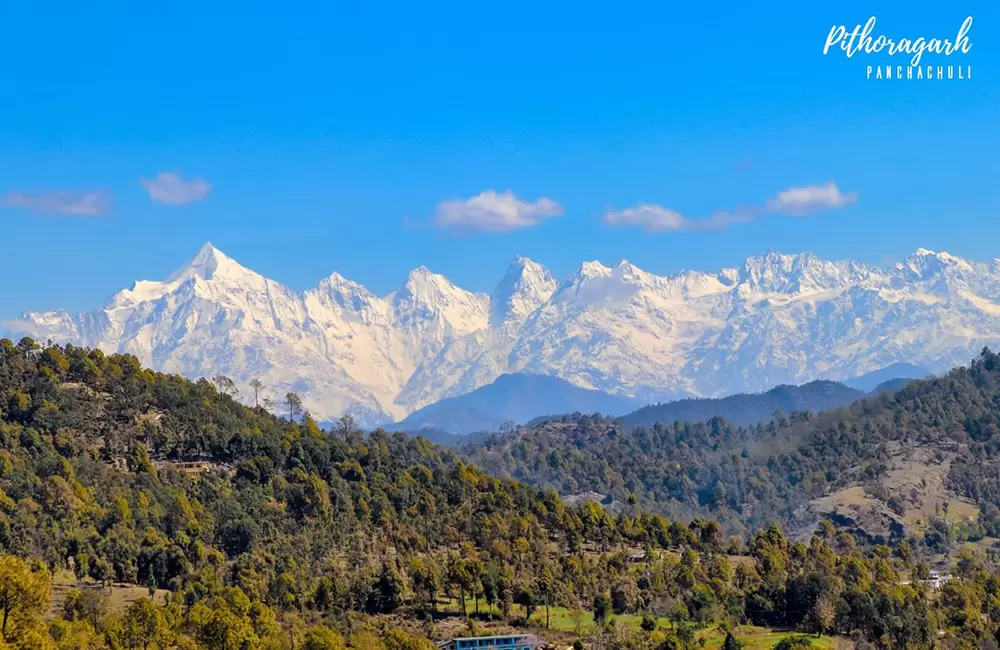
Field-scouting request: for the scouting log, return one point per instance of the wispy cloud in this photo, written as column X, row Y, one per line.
column 170, row 188
column 494, row 212
column 648, row 216
column 62, row 202
column 656, row 218
column 800, row 201
column 794, row 201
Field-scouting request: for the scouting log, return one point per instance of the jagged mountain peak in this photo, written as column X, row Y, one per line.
column 941, row 255
column 923, row 254
column 432, row 310
column 775, row 272
column 347, row 294
column 210, row 264
column 521, row 262
column 337, row 281
column 592, row 269
column 625, row 267
column 776, row 319
column 524, row 267
column 431, row 290
column 776, row 261
column 630, row 273
column 924, row 259
column 421, row 281
column 523, row 289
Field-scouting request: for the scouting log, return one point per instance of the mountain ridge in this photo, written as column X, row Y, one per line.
column 890, row 464
column 744, row 409
column 775, row 319
column 872, row 380
column 510, row 397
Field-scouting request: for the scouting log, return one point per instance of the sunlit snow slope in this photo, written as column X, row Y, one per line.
column 776, row 319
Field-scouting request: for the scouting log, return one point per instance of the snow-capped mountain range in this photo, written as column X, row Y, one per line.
column 776, row 319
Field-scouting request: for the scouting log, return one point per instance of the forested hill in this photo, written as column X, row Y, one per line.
column 123, row 474
column 270, row 533
column 754, row 475
column 103, row 449
column 747, row 409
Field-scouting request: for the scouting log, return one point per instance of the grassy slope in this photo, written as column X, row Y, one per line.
column 564, row 620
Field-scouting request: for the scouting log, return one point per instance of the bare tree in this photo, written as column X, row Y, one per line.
column 294, row 403
column 257, row 385
column 225, row 385
column 92, row 606
column 345, row 426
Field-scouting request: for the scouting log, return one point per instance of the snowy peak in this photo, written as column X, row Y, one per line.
column 427, row 298
column 625, row 267
column 925, row 262
column 345, row 294
column 775, row 319
column 624, row 271
column 525, row 287
column 210, row 264
column 523, row 267
column 338, row 285
column 424, row 287
column 775, row 272
column 337, row 282
column 592, row 269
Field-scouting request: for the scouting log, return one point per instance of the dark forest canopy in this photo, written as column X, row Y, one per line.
column 280, row 526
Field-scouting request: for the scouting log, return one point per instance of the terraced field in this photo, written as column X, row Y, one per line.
column 119, row 595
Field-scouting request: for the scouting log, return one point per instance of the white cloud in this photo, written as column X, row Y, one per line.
column 63, row 202
column 795, row 201
column 170, row 188
column 493, row 212
column 800, row 201
column 650, row 217
column 656, row 218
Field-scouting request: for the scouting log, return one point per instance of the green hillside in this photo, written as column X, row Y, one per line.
column 256, row 531
column 943, row 429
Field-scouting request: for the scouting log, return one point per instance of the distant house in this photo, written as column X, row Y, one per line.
column 503, row 642
column 193, row 468
column 935, row 581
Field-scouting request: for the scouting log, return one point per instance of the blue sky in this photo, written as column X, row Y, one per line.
column 316, row 130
